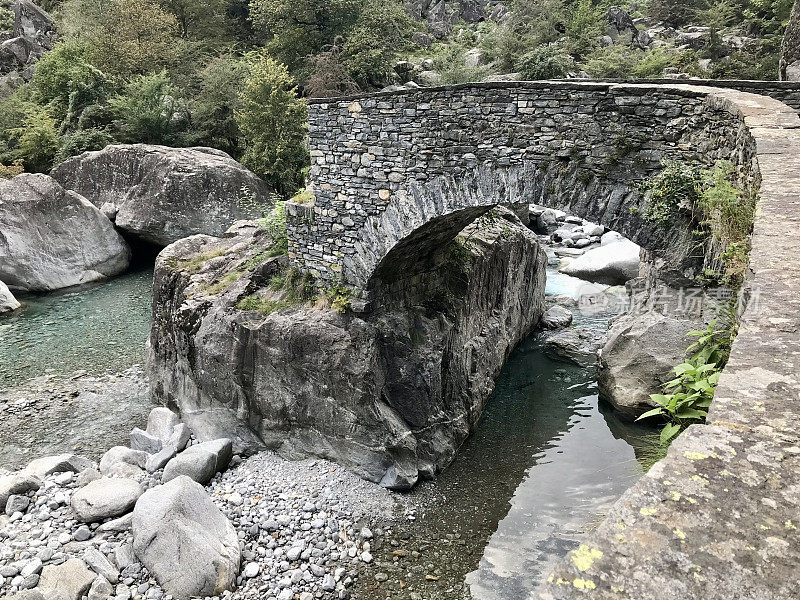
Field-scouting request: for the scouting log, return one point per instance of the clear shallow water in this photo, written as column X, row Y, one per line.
column 544, row 464
column 95, row 328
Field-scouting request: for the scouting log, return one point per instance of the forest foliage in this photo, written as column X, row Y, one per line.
column 234, row 74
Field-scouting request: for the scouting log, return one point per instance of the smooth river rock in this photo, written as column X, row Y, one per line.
column 185, row 541
column 637, row 358
column 200, row 462
column 161, row 194
column 71, row 579
column 105, row 498
column 7, row 301
column 53, row 238
column 391, row 394
column 612, row 264
column 17, row 483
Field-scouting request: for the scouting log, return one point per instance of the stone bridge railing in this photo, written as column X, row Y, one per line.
column 718, row 518
column 395, row 174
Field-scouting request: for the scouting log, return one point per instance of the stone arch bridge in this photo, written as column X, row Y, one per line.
column 394, row 174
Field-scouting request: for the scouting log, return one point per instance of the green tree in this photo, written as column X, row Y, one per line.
column 272, row 120
column 127, row 37
column 67, row 83
column 301, row 28
column 214, row 120
column 147, row 111
column 38, row 141
column 369, row 50
column 199, row 19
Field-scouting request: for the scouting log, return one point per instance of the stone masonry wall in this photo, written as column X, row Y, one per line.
column 717, row 518
column 392, row 167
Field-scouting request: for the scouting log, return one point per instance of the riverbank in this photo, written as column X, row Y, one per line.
column 82, row 413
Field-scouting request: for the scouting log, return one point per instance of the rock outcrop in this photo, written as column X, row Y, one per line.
column 7, row 301
column 789, row 65
column 391, row 393
column 51, row 238
column 32, row 34
column 185, row 541
column 161, row 194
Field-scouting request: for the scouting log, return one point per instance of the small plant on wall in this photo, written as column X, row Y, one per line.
column 688, row 395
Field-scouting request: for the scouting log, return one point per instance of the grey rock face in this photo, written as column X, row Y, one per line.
column 638, row 356
column 556, row 317
column 161, row 423
column 185, row 541
column 390, row 394
column 31, row 36
column 71, row 578
column 7, row 301
column 105, row 498
column 613, row 264
column 123, row 462
column 53, row 238
column 144, row 442
column 576, row 344
column 201, row 461
column 18, row 483
column 162, row 194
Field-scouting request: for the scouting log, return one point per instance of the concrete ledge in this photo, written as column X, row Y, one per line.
column 718, row 517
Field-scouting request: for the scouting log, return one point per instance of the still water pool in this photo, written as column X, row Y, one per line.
column 546, row 462
column 94, row 328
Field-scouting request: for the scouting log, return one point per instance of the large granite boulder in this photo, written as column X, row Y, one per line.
column 391, row 393
column 185, row 541
column 636, row 361
column 7, row 301
column 162, row 194
column 105, row 498
column 612, row 264
column 51, row 238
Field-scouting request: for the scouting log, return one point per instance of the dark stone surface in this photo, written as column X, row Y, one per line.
column 391, row 393
column 717, row 518
column 399, row 172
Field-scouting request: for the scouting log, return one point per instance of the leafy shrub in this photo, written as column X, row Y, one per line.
column 146, row 111
column 6, row 18
column 545, row 62
column 686, row 398
column 272, row 120
column 67, row 83
column 677, row 186
column 38, row 141
column 82, row 140
column 275, row 226
column 383, row 27
column 675, row 13
column 451, row 63
column 329, row 74
column 584, row 27
column 339, row 296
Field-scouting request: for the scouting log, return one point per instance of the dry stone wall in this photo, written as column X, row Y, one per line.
column 394, row 174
